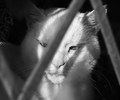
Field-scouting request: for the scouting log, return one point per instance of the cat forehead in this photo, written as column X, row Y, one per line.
column 57, row 18
column 73, row 33
column 75, row 30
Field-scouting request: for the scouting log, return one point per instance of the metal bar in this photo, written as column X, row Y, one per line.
column 7, row 79
column 36, row 76
column 108, row 36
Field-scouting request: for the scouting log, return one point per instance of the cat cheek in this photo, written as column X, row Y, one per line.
column 71, row 53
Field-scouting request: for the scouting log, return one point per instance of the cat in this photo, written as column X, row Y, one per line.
column 68, row 76
column 80, row 44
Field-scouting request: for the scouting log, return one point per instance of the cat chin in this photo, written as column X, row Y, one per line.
column 48, row 89
column 55, row 79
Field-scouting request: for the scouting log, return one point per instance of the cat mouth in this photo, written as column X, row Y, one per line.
column 55, row 79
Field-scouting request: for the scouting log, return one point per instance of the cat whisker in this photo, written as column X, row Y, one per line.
column 96, row 88
column 101, row 67
column 104, row 78
column 20, row 71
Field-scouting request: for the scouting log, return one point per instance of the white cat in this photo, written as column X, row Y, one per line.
column 80, row 44
column 68, row 76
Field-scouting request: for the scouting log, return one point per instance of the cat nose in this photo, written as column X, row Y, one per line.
column 61, row 69
column 51, row 70
column 62, row 65
column 58, row 59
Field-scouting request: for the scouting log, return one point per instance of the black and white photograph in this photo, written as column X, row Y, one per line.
column 59, row 50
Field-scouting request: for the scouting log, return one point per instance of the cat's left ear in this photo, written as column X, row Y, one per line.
column 92, row 20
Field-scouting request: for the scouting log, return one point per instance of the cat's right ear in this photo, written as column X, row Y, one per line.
column 34, row 15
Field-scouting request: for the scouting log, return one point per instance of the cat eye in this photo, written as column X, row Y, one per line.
column 73, row 48
column 43, row 44
column 76, row 47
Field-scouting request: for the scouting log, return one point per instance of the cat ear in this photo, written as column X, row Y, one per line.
column 33, row 15
column 90, row 22
column 92, row 18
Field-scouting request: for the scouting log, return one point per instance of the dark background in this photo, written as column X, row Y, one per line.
column 105, row 82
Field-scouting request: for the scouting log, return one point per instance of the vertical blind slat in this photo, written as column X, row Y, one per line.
column 8, row 80
column 108, row 36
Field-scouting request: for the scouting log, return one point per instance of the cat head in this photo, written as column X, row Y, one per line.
column 79, row 44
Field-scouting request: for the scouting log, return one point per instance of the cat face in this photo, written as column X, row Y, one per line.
column 79, row 44
column 78, row 47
